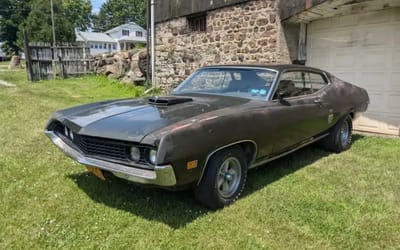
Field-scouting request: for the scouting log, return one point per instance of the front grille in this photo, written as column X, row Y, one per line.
column 107, row 149
column 102, row 147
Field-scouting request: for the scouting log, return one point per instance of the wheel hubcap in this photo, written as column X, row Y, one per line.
column 345, row 133
column 229, row 176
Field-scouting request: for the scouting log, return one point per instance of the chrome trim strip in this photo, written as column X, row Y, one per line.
column 161, row 176
column 225, row 146
column 327, row 77
column 266, row 68
column 273, row 87
column 312, row 140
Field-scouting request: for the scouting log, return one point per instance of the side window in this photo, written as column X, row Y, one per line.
column 298, row 83
column 294, row 76
column 316, row 82
column 290, row 84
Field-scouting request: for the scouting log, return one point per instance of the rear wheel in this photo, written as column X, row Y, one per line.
column 223, row 179
column 340, row 136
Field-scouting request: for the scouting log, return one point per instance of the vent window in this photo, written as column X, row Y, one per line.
column 197, row 23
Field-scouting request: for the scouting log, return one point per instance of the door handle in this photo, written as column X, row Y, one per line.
column 319, row 102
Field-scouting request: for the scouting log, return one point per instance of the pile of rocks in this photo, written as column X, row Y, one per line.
column 127, row 66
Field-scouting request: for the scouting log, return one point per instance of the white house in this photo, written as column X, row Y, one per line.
column 127, row 35
column 99, row 43
column 123, row 37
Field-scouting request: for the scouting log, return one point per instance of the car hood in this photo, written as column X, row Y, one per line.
column 133, row 119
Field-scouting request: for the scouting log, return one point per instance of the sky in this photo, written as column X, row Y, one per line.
column 96, row 4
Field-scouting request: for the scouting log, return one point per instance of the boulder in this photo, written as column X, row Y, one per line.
column 111, row 70
column 15, row 63
column 108, row 61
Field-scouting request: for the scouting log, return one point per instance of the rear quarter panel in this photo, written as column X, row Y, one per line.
column 346, row 97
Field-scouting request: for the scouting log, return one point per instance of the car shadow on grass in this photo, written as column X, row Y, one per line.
column 177, row 209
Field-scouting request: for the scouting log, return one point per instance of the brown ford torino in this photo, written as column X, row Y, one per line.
column 218, row 124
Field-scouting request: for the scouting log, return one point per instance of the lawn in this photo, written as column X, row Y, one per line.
column 310, row 199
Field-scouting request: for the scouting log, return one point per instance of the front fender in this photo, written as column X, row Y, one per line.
column 196, row 140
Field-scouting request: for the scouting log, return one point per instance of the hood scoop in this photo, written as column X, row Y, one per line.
column 168, row 100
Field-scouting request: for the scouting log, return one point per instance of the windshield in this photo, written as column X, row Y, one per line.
column 240, row 82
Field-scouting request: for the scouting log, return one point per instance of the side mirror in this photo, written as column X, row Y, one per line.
column 281, row 98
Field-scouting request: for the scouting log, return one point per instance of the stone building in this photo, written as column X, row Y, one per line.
column 219, row 32
column 357, row 40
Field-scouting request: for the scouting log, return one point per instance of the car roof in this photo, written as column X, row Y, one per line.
column 277, row 67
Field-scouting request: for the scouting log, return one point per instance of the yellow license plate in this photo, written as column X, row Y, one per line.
column 97, row 172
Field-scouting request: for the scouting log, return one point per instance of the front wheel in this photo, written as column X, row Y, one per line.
column 224, row 178
column 340, row 136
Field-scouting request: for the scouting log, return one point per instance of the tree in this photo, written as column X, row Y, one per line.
column 79, row 12
column 116, row 12
column 12, row 14
column 69, row 14
column 34, row 16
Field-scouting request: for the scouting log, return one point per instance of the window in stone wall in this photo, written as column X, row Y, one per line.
column 197, row 22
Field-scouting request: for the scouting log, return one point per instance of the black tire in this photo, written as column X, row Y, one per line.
column 210, row 192
column 340, row 136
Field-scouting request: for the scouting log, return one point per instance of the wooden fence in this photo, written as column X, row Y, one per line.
column 65, row 60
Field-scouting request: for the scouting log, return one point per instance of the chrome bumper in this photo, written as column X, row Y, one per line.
column 161, row 175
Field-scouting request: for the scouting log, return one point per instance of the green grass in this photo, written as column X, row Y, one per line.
column 310, row 199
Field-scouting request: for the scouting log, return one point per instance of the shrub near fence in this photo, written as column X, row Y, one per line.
column 69, row 60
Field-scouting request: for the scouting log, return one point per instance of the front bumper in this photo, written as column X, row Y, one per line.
column 160, row 176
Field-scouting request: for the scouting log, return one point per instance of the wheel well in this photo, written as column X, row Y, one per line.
column 249, row 148
column 352, row 115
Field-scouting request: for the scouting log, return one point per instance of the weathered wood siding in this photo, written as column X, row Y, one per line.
column 288, row 8
column 170, row 9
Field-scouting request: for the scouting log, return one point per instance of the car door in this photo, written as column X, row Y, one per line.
column 298, row 109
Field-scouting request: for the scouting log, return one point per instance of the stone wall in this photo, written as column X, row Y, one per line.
column 245, row 33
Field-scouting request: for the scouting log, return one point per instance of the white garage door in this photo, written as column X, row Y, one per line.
column 363, row 49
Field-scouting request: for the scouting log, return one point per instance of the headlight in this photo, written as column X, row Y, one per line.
column 68, row 133
column 71, row 135
column 153, row 156
column 135, row 154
